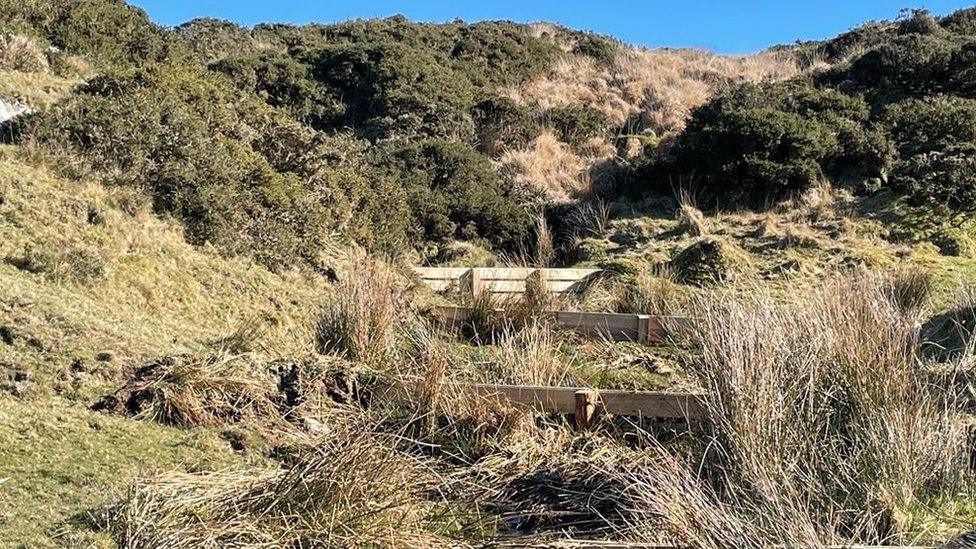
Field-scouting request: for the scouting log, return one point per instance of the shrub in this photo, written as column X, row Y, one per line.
column 601, row 49
column 912, row 64
column 209, row 156
column 390, row 89
column 281, row 81
column 919, row 125
column 214, row 39
column 574, row 124
column 941, row 178
column 454, row 193
column 502, row 124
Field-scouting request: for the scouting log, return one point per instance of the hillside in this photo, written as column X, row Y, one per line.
column 210, row 334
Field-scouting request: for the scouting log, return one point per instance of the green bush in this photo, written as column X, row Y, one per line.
column 214, row 39
column 392, row 90
column 600, row 48
column 932, row 122
column 237, row 173
column 940, row 178
column 281, row 81
column 454, row 193
column 912, row 65
column 502, row 124
column 574, row 124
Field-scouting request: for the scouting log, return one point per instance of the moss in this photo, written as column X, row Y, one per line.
column 708, row 261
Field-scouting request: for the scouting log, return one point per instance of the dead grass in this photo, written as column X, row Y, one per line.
column 20, row 53
column 823, row 427
column 547, row 167
column 193, row 390
column 653, row 90
column 361, row 318
column 351, row 487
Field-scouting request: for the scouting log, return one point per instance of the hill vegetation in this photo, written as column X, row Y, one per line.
column 210, row 336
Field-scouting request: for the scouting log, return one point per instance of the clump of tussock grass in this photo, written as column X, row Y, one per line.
column 691, row 220
column 20, row 53
column 650, row 292
column 349, row 487
column 551, row 480
column 909, row 290
column 823, row 429
column 528, row 355
column 197, row 389
column 360, row 319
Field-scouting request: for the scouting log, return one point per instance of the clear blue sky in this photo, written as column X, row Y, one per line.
column 724, row 26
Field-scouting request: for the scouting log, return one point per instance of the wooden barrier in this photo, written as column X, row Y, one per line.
column 504, row 282
column 613, row 326
column 568, row 400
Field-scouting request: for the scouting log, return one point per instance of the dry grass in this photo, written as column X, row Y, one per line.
column 20, row 53
column 548, row 168
column 660, row 87
column 361, row 317
column 823, row 428
column 193, row 390
column 351, row 487
column 527, row 356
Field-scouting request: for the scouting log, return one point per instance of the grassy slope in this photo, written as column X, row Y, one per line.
column 71, row 338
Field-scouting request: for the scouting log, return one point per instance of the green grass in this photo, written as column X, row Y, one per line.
column 58, row 461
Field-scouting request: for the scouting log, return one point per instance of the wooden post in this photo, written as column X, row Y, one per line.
column 477, row 285
column 643, row 328
column 586, row 406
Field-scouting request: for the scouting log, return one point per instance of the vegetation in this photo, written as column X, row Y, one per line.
column 891, row 113
column 210, row 334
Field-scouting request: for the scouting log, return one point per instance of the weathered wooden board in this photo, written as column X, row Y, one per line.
column 626, row 403
column 612, row 326
column 503, row 281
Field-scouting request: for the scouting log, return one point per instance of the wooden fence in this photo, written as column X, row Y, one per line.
column 504, row 282
column 587, row 404
column 612, row 326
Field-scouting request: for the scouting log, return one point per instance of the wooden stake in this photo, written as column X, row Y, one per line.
column 586, row 406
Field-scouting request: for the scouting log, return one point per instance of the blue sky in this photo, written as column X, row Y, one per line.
column 724, row 26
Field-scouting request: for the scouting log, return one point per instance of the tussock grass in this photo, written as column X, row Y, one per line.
column 528, row 356
column 193, row 390
column 351, row 487
column 360, row 319
column 823, row 429
column 20, row 53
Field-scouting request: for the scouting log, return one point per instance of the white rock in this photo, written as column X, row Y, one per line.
column 10, row 108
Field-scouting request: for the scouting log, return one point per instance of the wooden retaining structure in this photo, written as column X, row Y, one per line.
column 504, row 282
column 612, row 326
column 589, row 404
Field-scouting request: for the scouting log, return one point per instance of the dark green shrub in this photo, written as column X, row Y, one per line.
column 600, row 48
column 930, row 123
column 281, row 81
column 912, row 64
column 454, row 193
column 574, row 124
column 940, row 178
column 502, row 124
column 919, row 21
column 237, row 173
column 214, row 39
column 962, row 22
column 390, row 89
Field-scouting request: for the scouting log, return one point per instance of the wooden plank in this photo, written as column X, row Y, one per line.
column 503, row 280
column 625, row 403
column 613, row 326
